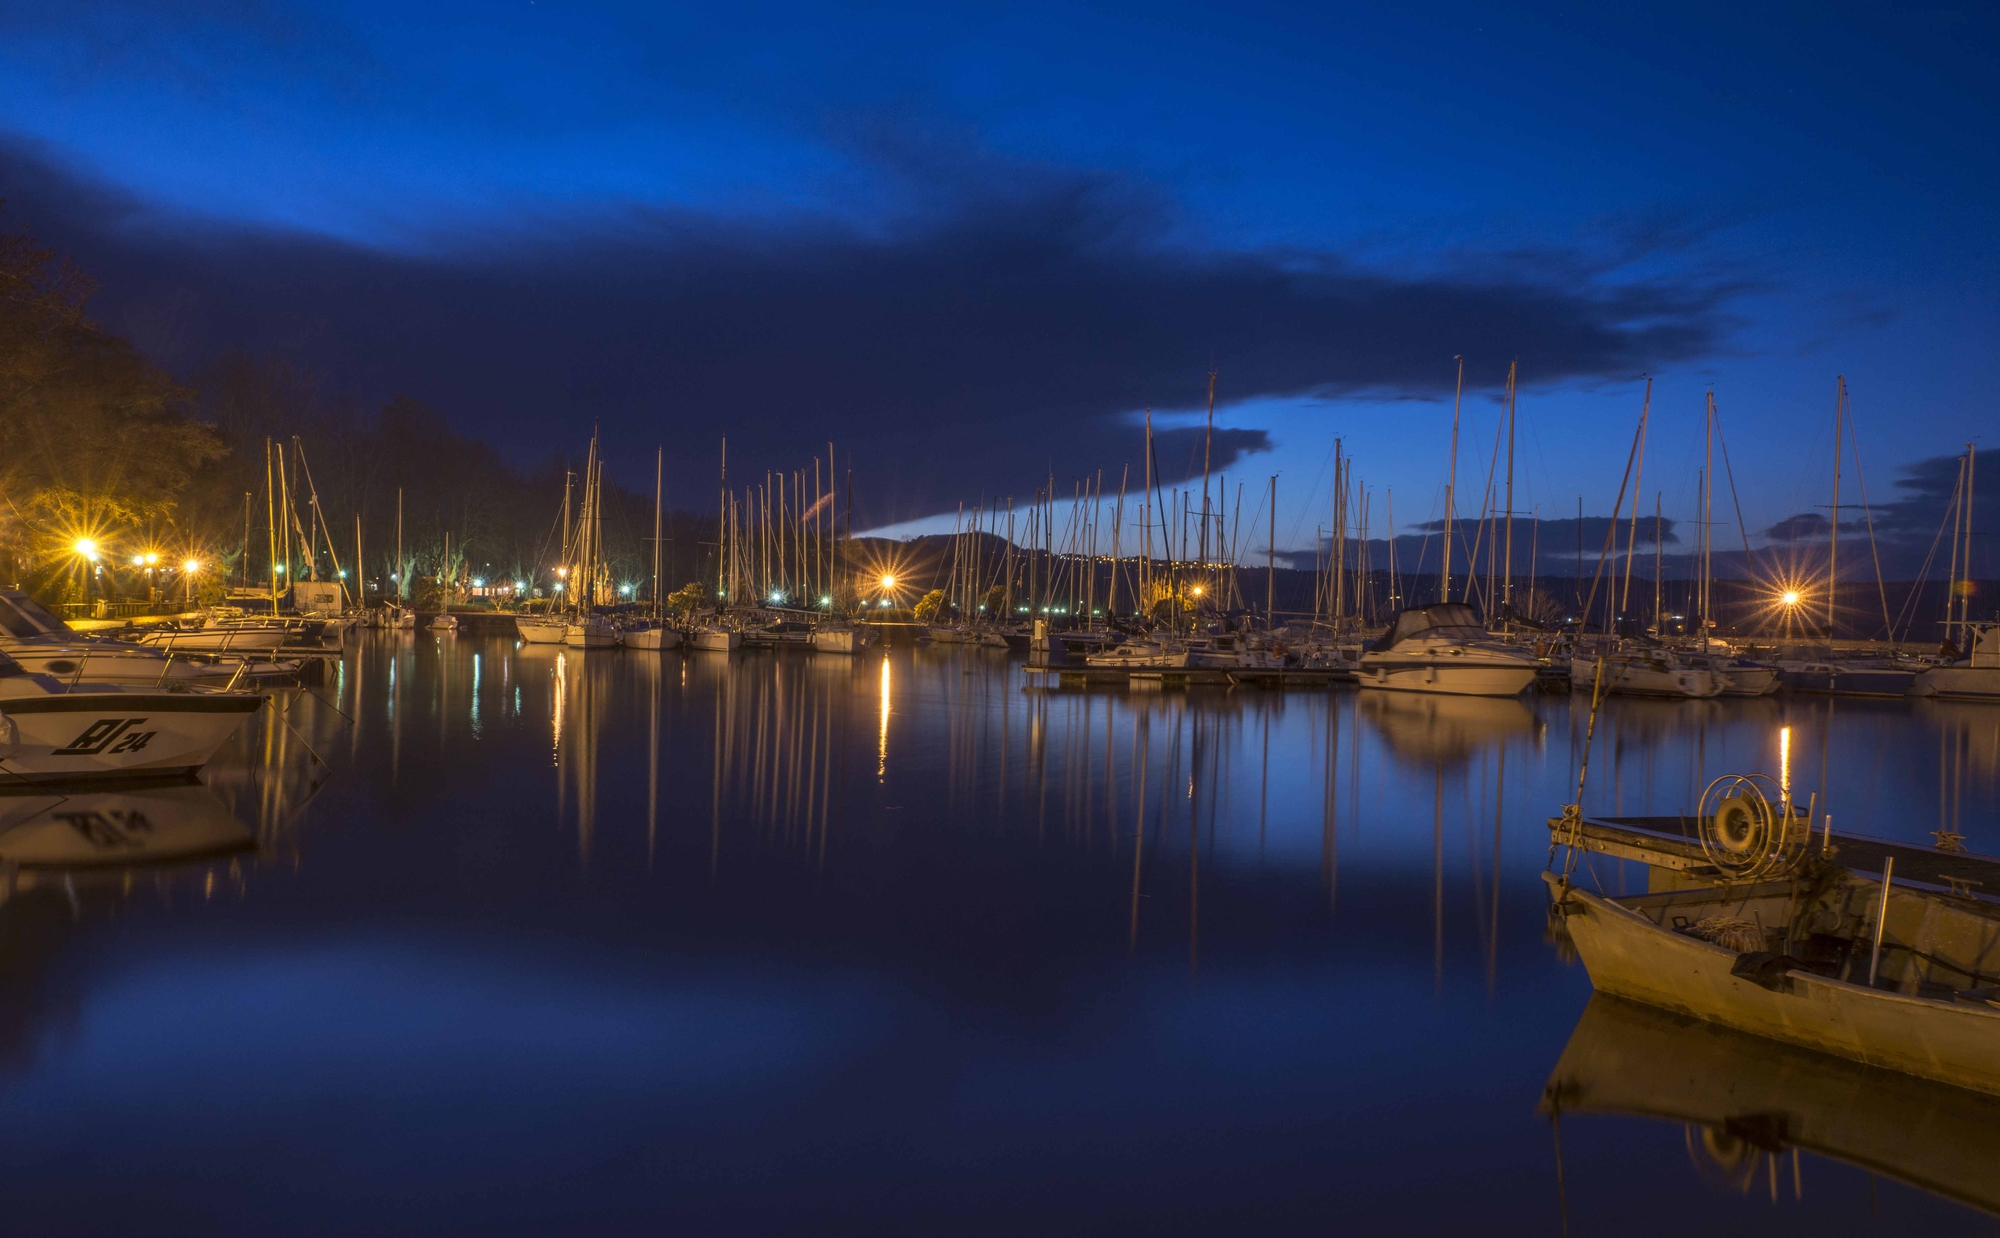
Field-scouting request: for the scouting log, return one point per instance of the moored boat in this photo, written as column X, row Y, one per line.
column 1974, row 678
column 1443, row 648
column 52, row 731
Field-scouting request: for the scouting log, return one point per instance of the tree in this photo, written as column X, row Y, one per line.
column 929, row 605
column 689, row 598
column 995, row 601
column 94, row 442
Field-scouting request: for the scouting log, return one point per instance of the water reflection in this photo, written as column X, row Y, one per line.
column 1749, row 1106
column 764, row 931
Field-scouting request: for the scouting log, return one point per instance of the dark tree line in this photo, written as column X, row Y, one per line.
column 104, row 455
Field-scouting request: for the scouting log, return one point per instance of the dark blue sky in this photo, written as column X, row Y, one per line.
column 969, row 243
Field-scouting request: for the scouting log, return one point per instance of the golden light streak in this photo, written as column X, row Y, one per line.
column 882, row 737
column 1785, row 762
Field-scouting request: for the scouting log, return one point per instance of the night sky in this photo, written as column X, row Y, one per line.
column 970, row 245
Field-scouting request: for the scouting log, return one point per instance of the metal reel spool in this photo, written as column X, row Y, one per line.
column 1742, row 833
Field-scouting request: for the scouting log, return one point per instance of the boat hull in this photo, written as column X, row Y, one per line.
column 590, row 636
column 1629, row 956
column 216, row 640
column 716, row 640
column 541, row 631
column 842, row 640
column 88, row 735
column 1963, row 683
column 652, row 638
column 1455, row 678
column 1849, row 680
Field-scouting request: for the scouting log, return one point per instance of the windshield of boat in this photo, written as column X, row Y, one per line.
column 1452, row 621
column 21, row 615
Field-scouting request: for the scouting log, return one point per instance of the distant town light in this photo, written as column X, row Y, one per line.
column 885, row 602
column 341, row 574
column 277, row 569
column 826, row 601
column 558, row 587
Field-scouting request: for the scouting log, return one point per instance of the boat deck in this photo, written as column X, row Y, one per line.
column 1673, row 842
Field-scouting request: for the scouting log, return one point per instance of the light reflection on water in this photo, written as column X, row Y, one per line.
column 775, row 938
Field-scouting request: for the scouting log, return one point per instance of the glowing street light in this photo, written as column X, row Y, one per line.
column 1791, row 597
column 86, row 548
column 888, row 582
column 190, row 566
column 1197, row 590
column 151, row 559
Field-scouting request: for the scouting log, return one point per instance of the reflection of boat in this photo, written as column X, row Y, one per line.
column 1447, row 728
column 53, row 731
column 1799, row 947
column 1746, row 1098
column 1443, row 648
column 111, row 828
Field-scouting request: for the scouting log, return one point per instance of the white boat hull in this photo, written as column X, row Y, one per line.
column 1467, row 678
column 594, row 634
column 107, row 734
column 1962, row 683
column 541, row 631
column 716, row 640
column 1629, row 678
column 841, row 640
column 652, row 638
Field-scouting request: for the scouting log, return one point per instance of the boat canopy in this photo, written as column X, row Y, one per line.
column 1446, row 620
column 23, row 617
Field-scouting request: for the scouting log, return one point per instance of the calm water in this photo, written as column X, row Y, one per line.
column 540, row 941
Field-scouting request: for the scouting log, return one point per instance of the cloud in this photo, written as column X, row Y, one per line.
column 1008, row 326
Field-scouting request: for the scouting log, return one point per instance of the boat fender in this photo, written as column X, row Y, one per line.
column 1766, row 970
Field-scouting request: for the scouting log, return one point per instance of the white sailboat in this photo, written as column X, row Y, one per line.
column 652, row 632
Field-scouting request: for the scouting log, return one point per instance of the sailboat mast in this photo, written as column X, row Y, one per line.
column 659, row 484
column 1833, row 525
column 1507, row 569
column 1271, row 562
column 1965, row 594
column 1207, row 449
column 1451, row 482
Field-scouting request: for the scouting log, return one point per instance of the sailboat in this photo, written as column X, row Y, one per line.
column 552, row 626
column 1976, row 676
column 587, row 629
column 653, row 632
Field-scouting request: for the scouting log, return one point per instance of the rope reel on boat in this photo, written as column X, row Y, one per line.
column 1744, row 834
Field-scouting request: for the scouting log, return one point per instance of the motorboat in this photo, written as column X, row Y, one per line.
column 1975, row 678
column 1646, row 671
column 45, row 645
column 1444, row 648
column 229, row 637
column 778, row 634
column 56, row 731
column 541, row 629
column 591, row 632
column 844, row 638
column 1860, row 947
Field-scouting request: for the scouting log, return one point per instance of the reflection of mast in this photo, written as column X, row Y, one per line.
column 1140, row 734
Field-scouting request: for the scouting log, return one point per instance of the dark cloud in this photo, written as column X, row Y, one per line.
column 1005, row 330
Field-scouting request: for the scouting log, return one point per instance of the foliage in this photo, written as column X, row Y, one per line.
column 929, row 605
column 1161, row 600
column 688, row 598
column 94, row 442
column 995, row 601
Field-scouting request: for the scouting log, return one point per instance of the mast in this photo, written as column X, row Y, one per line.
column 1833, row 525
column 1451, row 481
column 722, row 523
column 1117, row 532
column 1207, row 447
column 402, row 577
column 1707, row 508
column 1507, row 584
column 1632, row 535
column 1271, row 562
column 1658, row 561
column 1965, row 593
column 659, row 483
